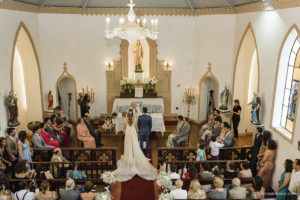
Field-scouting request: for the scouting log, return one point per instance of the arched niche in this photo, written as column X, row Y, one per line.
column 156, row 68
column 246, row 76
column 66, row 85
column 26, row 78
column 207, row 82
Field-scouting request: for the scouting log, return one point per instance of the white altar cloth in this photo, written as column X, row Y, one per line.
column 158, row 124
column 154, row 105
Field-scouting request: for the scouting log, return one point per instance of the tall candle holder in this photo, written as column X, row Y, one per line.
column 190, row 98
column 90, row 93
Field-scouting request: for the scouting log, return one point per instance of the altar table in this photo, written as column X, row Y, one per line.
column 154, row 105
column 158, row 124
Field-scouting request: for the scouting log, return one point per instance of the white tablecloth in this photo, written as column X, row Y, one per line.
column 158, row 124
column 154, row 105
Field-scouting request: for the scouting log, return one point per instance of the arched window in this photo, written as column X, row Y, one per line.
column 287, row 89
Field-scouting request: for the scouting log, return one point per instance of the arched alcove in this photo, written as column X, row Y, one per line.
column 26, row 78
column 207, row 82
column 246, row 77
column 66, row 94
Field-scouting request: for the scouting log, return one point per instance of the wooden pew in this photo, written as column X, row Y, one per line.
column 190, row 154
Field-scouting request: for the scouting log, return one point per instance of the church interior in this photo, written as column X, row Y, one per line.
column 139, row 99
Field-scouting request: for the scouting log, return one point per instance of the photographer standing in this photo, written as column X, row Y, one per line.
column 83, row 102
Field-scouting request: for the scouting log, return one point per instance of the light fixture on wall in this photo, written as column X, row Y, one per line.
column 109, row 66
column 134, row 29
column 268, row 5
column 167, row 66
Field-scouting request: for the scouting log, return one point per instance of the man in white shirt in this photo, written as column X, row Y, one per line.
column 215, row 146
column 174, row 175
column 179, row 193
column 23, row 193
column 295, row 178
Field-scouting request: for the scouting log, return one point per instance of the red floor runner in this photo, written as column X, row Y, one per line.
column 137, row 189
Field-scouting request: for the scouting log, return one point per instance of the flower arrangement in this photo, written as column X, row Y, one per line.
column 151, row 84
column 103, row 196
column 108, row 177
column 126, row 84
column 165, row 196
column 164, row 180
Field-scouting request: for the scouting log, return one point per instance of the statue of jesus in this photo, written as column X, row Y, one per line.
column 138, row 55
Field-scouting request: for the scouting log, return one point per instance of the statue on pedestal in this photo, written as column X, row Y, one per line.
column 12, row 106
column 224, row 96
column 256, row 105
column 138, row 55
column 50, row 101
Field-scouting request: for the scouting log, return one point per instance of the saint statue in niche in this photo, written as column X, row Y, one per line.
column 293, row 100
column 50, row 100
column 138, row 55
column 224, row 96
column 256, row 105
column 12, row 106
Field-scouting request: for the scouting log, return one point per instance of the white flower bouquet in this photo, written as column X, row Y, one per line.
column 123, row 83
column 165, row 196
column 108, row 177
column 103, row 196
column 164, row 180
column 153, row 80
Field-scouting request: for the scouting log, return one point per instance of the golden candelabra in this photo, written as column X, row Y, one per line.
column 90, row 93
column 190, row 98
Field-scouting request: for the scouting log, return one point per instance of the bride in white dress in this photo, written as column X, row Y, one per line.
column 133, row 162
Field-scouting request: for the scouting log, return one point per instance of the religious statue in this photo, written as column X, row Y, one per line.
column 210, row 102
column 11, row 103
column 138, row 55
column 256, row 105
column 293, row 100
column 50, row 100
column 83, row 102
column 224, row 96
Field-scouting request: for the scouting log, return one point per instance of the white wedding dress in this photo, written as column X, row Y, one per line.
column 133, row 162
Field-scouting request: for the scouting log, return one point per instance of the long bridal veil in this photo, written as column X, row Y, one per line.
column 133, row 162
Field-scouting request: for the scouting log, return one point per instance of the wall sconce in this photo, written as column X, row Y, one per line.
column 109, row 66
column 167, row 66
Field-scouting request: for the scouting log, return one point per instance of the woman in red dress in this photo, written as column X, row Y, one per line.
column 49, row 140
column 59, row 131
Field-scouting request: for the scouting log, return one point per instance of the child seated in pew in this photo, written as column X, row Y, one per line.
column 201, row 154
column 215, row 146
column 107, row 124
column 113, row 120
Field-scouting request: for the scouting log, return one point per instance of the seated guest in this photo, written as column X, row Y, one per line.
column 24, row 193
column 183, row 134
column 228, row 139
column 201, row 154
column 43, row 172
column 94, row 132
column 5, row 194
column 268, row 164
column 204, row 173
column 195, row 191
column 21, row 170
column 88, row 193
column 237, row 192
column 245, row 171
column 171, row 136
column 107, row 123
column 208, row 125
column 285, row 180
column 84, row 135
column 45, row 192
column 216, row 131
column 70, row 193
column 161, row 165
column 191, row 173
column 113, row 120
column 60, row 121
column 50, row 130
column 174, row 174
column 295, row 178
column 58, row 157
column 215, row 146
column 257, row 190
column 60, row 131
column 42, row 139
column 4, row 159
column 219, row 192
column 179, row 193
column 24, row 147
column 230, row 170
column 74, row 174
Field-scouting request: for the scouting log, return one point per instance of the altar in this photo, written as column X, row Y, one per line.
column 158, row 124
column 154, row 105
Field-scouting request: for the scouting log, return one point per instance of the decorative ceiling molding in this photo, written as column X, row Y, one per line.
column 254, row 7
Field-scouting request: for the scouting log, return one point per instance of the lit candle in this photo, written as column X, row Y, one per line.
column 152, row 24
column 107, row 23
column 155, row 26
column 144, row 21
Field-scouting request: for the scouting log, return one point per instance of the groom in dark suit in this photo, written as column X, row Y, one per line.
column 145, row 126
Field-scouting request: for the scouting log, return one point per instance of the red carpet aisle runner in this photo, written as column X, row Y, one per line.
column 137, row 189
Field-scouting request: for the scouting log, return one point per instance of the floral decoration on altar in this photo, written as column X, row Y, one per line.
column 164, row 181
column 126, row 84
column 150, row 84
column 108, row 178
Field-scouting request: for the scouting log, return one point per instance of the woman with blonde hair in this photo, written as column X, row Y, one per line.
column 195, row 191
column 45, row 193
column 219, row 192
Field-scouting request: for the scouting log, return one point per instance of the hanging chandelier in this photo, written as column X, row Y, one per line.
column 134, row 29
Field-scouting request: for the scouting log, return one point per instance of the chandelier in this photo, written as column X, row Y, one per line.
column 134, row 29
